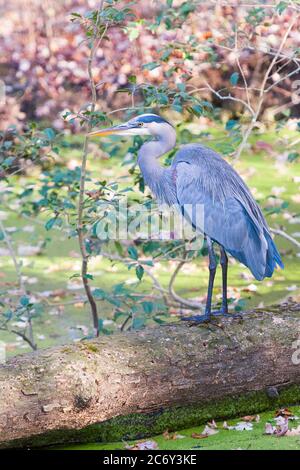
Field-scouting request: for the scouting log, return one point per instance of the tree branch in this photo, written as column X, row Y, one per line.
column 285, row 235
column 80, row 228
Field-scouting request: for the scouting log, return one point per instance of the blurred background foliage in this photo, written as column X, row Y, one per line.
column 151, row 50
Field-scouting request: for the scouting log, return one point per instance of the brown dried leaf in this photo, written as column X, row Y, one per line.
column 249, row 418
column 172, row 436
column 196, row 435
column 284, row 412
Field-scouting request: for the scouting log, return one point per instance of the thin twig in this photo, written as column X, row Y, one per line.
column 10, row 247
column 80, row 228
column 230, row 97
column 175, row 296
column 241, row 70
column 285, row 235
column 263, row 91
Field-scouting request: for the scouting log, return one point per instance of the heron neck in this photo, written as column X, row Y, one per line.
column 151, row 151
column 154, row 174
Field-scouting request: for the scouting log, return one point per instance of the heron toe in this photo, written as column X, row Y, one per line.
column 197, row 318
column 221, row 313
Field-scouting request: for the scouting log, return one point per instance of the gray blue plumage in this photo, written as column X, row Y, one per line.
column 231, row 216
column 199, row 175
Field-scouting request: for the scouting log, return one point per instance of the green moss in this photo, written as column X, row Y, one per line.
column 223, row 440
column 91, row 347
column 137, row 426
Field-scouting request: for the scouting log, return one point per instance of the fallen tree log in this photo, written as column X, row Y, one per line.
column 129, row 385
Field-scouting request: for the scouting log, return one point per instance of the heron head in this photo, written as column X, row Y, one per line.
column 146, row 124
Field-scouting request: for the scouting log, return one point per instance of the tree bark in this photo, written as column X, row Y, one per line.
column 58, row 391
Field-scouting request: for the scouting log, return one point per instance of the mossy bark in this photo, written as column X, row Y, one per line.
column 130, row 385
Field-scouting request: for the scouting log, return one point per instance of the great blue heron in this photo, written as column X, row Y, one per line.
column 199, row 175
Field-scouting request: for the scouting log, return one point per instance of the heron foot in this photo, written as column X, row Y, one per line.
column 197, row 318
column 222, row 313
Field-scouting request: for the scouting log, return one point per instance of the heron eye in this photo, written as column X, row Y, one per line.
column 140, row 124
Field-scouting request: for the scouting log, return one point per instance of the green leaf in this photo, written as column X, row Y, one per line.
column 147, row 307
column 234, row 78
column 139, row 270
column 181, row 86
column 151, row 66
column 293, row 156
column 8, row 162
column 119, row 248
column 132, row 251
column 133, row 33
column 230, row 124
column 74, row 276
column 52, row 222
column 177, row 106
column 24, row 301
column 99, row 294
column 49, row 132
column 132, row 79
column 196, row 109
column 166, row 54
column 77, row 15
column 280, row 7
column 162, row 98
column 138, row 322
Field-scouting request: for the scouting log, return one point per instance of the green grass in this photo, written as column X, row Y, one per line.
column 223, row 440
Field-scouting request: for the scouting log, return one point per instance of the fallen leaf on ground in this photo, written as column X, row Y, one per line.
column 285, row 412
column 249, row 418
column 172, row 436
column 292, row 288
column 58, row 293
column 280, row 420
column 241, row 426
column 265, row 146
column 293, row 431
column 28, row 250
column 145, row 445
column 209, row 430
column 279, row 430
column 282, row 429
column 269, row 429
column 250, row 288
column 79, row 305
column 196, row 435
column 212, row 424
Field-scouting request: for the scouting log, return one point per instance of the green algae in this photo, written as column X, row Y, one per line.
column 139, row 426
column 223, row 440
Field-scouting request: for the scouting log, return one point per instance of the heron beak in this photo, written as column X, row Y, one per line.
column 107, row 131
column 122, row 129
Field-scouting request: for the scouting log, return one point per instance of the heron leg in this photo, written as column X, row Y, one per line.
column 224, row 307
column 224, row 266
column 212, row 272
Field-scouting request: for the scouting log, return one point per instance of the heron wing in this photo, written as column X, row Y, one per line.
column 231, row 216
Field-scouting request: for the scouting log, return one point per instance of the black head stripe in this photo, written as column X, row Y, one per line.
column 147, row 118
